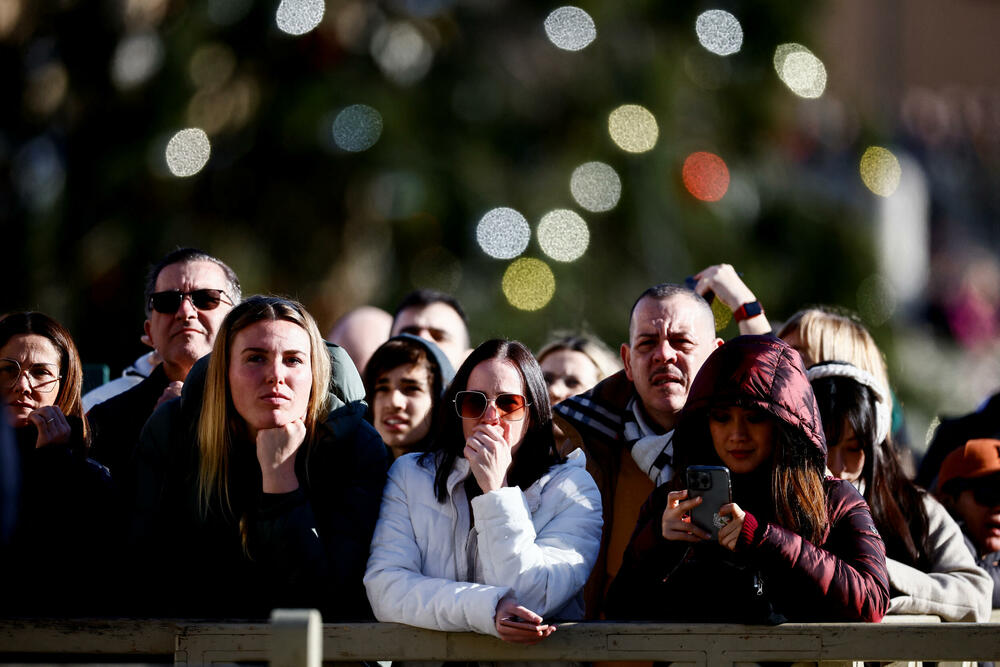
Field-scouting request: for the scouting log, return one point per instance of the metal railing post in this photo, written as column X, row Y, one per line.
column 296, row 638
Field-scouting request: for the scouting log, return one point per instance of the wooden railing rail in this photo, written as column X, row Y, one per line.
column 188, row 642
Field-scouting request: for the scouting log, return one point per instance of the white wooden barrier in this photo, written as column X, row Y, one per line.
column 187, row 642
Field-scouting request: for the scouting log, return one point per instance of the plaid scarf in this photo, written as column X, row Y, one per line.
column 652, row 452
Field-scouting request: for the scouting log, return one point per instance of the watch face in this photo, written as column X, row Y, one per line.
column 752, row 309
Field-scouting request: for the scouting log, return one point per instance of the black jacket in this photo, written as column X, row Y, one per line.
column 117, row 423
column 307, row 548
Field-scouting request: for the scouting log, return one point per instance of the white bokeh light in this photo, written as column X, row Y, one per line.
column 503, row 233
column 188, row 152
column 356, row 128
column 136, row 59
column 563, row 235
column 402, row 52
column 595, row 186
column 570, row 28
column 633, row 128
column 800, row 70
column 719, row 32
column 297, row 17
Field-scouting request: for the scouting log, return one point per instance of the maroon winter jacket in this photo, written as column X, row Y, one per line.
column 774, row 574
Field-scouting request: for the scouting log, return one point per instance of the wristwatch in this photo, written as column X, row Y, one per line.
column 748, row 310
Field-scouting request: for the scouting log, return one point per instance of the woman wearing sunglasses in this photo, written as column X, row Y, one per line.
column 65, row 501
column 260, row 487
column 489, row 531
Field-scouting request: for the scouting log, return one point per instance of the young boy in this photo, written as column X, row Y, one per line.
column 969, row 486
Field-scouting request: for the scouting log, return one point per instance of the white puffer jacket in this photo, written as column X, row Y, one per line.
column 537, row 546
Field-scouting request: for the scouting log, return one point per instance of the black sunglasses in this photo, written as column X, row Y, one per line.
column 472, row 405
column 203, row 299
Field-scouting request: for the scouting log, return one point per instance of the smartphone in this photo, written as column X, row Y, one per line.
column 712, row 484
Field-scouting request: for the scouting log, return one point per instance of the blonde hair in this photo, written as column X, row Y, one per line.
column 827, row 334
column 592, row 347
column 219, row 421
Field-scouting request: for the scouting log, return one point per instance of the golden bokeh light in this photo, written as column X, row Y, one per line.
column 800, row 70
column 633, row 128
column 10, row 15
column 880, row 171
column 563, row 235
column 723, row 316
column 528, row 284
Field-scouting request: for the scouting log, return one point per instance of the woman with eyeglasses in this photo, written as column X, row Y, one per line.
column 65, row 499
column 260, row 487
column 490, row 531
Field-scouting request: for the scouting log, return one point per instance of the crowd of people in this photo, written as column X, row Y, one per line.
column 397, row 471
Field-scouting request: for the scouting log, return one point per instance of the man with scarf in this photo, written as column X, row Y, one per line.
column 625, row 423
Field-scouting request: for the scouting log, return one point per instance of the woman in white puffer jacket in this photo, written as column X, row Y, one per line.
column 490, row 531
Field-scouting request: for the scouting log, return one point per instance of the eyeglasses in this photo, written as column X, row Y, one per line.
column 203, row 299
column 473, row 404
column 41, row 377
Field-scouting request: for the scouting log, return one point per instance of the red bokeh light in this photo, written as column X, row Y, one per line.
column 705, row 176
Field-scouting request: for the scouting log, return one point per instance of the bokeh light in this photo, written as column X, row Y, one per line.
column 931, row 430
column 705, row 176
column 137, row 57
column 357, row 128
column 47, row 88
column 188, row 152
column 595, row 186
column 211, row 66
column 723, row 316
column 38, row 173
column 297, row 17
column 528, row 284
column 880, row 171
column 563, row 235
column 800, row 70
column 633, row 128
column 10, row 15
column 719, row 32
column 402, row 52
column 876, row 300
column 570, row 28
column 503, row 233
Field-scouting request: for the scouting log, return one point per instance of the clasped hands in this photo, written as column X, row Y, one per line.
column 676, row 523
column 520, row 625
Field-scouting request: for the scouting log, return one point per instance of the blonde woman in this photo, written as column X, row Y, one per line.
column 258, row 487
column 573, row 363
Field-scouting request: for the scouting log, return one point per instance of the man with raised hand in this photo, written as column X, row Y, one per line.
column 625, row 423
column 188, row 294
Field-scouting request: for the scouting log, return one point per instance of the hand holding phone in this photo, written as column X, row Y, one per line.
column 519, row 624
column 712, row 485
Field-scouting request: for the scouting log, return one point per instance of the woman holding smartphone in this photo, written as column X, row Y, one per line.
column 793, row 544
column 490, row 530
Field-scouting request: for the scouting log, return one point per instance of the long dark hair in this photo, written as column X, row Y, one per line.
column 537, row 452
column 69, row 398
column 897, row 504
column 795, row 476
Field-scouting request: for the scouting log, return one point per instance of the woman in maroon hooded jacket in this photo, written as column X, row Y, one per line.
column 798, row 546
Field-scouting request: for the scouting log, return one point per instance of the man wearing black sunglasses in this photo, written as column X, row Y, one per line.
column 969, row 486
column 188, row 294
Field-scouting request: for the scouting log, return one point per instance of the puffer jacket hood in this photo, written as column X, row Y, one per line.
column 755, row 372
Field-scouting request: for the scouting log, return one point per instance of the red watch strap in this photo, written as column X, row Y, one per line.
column 748, row 310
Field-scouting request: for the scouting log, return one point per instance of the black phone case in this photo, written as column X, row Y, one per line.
column 716, row 494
